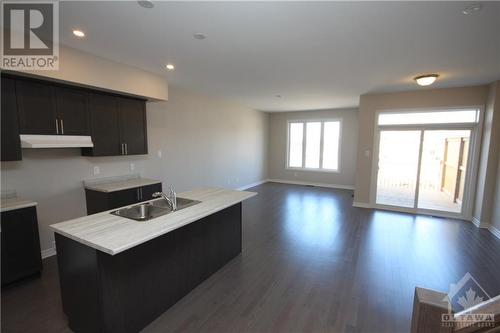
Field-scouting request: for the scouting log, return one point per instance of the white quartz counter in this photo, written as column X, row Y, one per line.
column 15, row 203
column 119, row 184
column 113, row 234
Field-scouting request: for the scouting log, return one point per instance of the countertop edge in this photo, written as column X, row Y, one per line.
column 19, row 206
column 144, row 182
column 163, row 232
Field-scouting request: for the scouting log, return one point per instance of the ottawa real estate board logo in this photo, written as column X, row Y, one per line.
column 30, row 35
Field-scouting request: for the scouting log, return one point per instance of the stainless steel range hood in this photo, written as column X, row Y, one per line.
column 55, row 141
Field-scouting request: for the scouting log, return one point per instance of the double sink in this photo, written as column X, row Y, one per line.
column 149, row 210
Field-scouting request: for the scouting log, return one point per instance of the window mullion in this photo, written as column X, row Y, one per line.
column 304, row 135
column 321, row 144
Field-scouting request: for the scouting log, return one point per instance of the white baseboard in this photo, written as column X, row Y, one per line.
column 494, row 231
column 241, row 188
column 48, row 252
column 361, row 204
column 293, row 182
column 480, row 224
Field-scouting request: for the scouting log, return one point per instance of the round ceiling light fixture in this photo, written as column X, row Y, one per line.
column 426, row 80
column 169, row 67
column 199, row 36
column 146, row 4
column 78, row 33
column 471, row 9
column 277, row 96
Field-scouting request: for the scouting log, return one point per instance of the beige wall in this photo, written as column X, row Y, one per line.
column 487, row 210
column 488, row 158
column 278, row 147
column 204, row 141
column 426, row 98
column 89, row 70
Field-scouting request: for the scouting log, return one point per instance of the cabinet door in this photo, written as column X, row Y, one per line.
column 133, row 125
column 148, row 190
column 123, row 198
column 20, row 244
column 11, row 145
column 104, row 126
column 72, row 111
column 37, row 111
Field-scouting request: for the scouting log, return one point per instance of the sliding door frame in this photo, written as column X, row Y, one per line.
column 472, row 160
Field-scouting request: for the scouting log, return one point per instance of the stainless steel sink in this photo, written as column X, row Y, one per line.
column 181, row 203
column 147, row 211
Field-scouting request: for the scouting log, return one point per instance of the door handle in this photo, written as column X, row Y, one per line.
column 57, row 127
column 62, row 126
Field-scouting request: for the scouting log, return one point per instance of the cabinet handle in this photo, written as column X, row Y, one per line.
column 138, row 196
column 57, row 127
column 122, row 149
column 140, row 190
column 126, row 149
column 62, row 126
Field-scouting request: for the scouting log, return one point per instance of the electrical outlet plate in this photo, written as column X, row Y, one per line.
column 96, row 170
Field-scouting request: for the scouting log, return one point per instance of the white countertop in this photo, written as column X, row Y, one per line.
column 113, row 234
column 15, row 203
column 118, row 185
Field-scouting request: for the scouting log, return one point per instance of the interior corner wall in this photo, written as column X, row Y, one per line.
column 425, row 98
column 485, row 209
column 278, row 148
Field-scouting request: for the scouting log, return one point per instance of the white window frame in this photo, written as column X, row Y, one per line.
column 304, row 139
column 473, row 158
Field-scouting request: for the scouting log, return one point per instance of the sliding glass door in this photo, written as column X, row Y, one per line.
column 424, row 167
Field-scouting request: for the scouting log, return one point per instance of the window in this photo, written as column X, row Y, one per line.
column 314, row 145
column 433, row 117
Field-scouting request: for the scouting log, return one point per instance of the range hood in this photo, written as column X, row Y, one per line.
column 55, row 141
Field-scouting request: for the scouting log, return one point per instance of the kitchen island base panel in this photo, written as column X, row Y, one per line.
column 127, row 291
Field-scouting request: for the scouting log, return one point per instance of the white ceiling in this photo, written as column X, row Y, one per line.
column 316, row 55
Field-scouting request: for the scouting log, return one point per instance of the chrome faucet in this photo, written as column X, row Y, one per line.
column 170, row 198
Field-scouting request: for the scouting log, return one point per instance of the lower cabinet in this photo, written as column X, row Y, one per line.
column 102, row 201
column 20, row 245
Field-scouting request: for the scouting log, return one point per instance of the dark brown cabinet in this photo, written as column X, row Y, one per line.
column 102, row 201
column 105, row 127
column 20, row 245
column 11, row 145
column 132, row 125
column 118, row 126
column 36, row 105
column 72, row 111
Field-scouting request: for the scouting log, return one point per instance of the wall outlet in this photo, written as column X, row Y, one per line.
column 96, row 170
column 132, row 166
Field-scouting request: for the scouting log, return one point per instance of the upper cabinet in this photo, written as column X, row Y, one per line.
column 132, row 114
column 72, row 111
column 118, row 125
column 37, row 108
column 51, row 109
column 11, row 145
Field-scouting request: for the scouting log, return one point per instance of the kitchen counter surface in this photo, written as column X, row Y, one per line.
column 15, row 203
column 119, row 184
column 113, row 234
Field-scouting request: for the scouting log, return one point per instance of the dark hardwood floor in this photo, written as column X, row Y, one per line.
column 310, row 263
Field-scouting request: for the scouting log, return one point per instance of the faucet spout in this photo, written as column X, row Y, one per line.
column 171, row 198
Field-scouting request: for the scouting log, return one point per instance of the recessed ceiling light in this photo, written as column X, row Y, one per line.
column 170, row 67
column 146, row 3
column 426, row 80
column 78, row 33
column 471, row 9
column 199, row 36
column 277, row 96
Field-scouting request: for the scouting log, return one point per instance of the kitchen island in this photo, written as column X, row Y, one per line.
column 118, row 275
